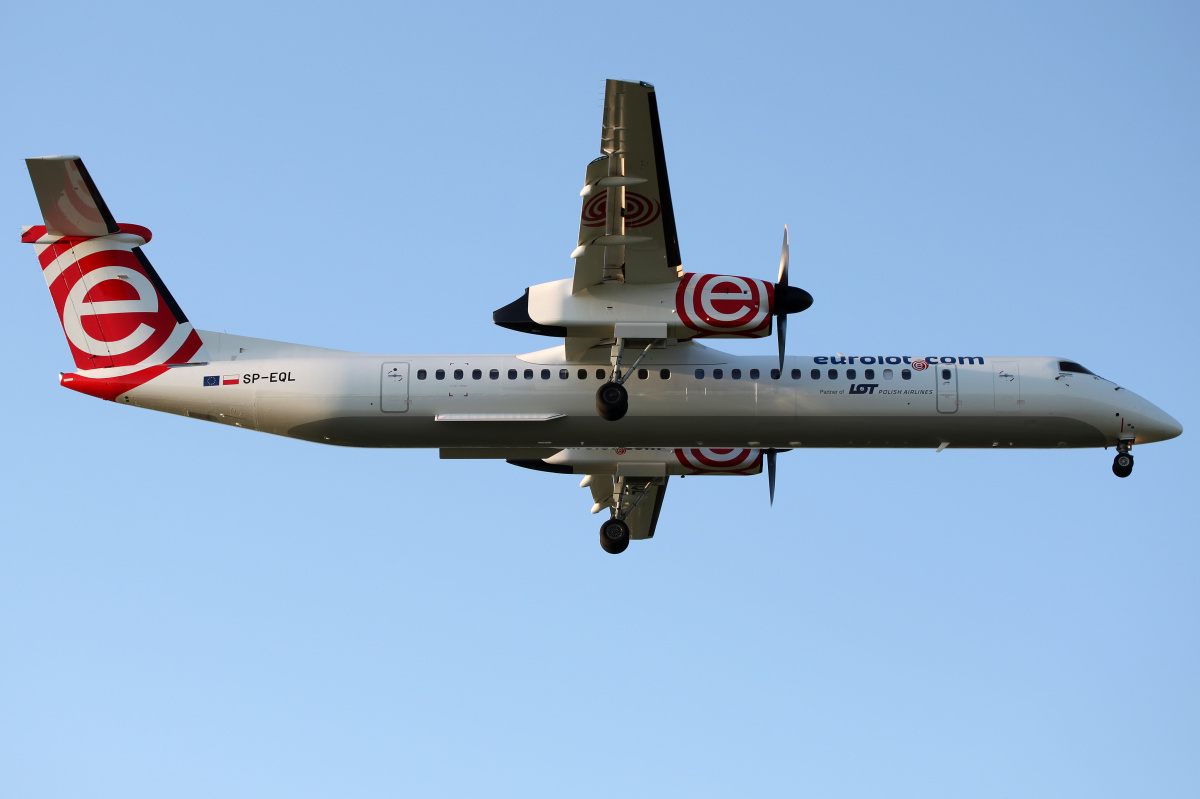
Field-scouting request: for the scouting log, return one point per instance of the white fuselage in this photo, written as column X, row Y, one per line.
column 676, row 399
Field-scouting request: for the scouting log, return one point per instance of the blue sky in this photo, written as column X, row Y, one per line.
column 191, row 610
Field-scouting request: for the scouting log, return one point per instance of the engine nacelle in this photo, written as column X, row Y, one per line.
column 650, row 462
column 714, row 306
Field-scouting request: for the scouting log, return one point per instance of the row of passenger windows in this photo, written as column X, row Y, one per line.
column 815, row 374
column 513, row 374
column 665, row 374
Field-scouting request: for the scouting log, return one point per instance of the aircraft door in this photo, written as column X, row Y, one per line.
column 946, row 375
column 393, row 393
column 1006, row 380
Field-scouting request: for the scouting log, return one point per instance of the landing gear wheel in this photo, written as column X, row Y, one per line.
column 1123, row 464
column 612, row 401
column 614, row 536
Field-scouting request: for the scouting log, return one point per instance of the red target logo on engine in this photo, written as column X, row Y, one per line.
column 640, row 210
column 920, row 365
column 724, row 303
column 720, row 461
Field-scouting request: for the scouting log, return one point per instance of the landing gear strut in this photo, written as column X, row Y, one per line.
column 627, row 493
column 614, row 536
column 1123, row 463
column 612, row 399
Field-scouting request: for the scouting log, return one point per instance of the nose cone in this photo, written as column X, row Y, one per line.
column 1157, row 424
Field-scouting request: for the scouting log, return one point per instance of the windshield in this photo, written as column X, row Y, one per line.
column 1071, row 366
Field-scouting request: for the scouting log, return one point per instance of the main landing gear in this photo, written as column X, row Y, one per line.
column 614, row 536
column 1123, row 463
column 627, row 494
column 612, row 399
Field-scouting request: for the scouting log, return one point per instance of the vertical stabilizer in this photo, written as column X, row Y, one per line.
column 115, row 310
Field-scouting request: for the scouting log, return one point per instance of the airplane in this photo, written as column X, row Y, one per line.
column 628, row 399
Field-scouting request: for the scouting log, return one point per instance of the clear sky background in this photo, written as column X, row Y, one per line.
column 190, row 610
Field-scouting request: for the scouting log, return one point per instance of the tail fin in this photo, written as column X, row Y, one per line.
column 115, row 310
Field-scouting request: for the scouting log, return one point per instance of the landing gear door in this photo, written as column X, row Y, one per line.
column 947, row 387
column 393, row 394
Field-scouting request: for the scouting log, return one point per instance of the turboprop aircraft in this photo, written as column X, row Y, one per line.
column 627, row 400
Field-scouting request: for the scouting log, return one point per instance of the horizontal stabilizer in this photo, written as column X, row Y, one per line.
column 70, row 203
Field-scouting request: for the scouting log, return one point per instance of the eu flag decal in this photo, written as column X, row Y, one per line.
column 213, row 380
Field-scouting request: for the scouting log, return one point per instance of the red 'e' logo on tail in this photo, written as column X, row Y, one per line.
column 111, row 307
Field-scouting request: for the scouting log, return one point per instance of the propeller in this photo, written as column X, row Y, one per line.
column 771, row 453
column 781, row 286
column 788, row 300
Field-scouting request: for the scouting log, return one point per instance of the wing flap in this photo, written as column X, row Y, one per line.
column 627, row 222
column 641, row 500
column 643, row 519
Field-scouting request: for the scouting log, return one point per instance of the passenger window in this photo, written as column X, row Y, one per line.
column 545, row 374
column 458, row 374
column 887, row 374
column 699, row 374
column 664, row 374
column 775, row 373
column 718, row 374
column 494, row 374
column 476, row 374
column 736, row 374
column 851, row 374
column 512, row 374
column 440, row 374
column 906, row 374
column 583, row 374
column 753, row 374
column 528, row 374
column 599, row 374
column 643, row 374
column 796, row 373
column 421, row 374
column 869, row 374
column 833, row 374
column 564, row 374
column 945, row 374
column 815, row 374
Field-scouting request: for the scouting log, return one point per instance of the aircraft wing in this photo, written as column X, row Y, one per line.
column 627, row 223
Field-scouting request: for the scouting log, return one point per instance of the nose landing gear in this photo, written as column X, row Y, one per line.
column 1123, row 463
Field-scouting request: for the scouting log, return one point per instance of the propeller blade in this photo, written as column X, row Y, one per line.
column 771, row 474
column 783, row 259
column 781, row 332
column 781, row 289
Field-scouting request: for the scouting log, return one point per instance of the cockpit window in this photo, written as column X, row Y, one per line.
column 1071, row 366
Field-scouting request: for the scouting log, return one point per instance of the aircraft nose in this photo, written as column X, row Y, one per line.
column 1158, row 425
